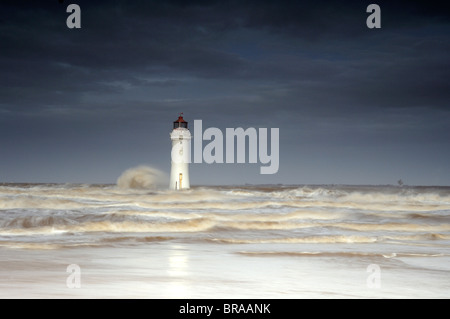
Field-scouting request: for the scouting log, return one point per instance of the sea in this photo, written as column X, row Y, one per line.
column 250, row 241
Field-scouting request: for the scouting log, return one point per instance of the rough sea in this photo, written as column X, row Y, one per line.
column 273, row 241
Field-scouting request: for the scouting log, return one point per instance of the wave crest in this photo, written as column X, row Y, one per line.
column 141, row 177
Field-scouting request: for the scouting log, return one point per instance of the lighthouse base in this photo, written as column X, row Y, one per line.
column 179, row 177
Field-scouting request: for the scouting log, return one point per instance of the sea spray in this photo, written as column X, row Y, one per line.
column 142, row 177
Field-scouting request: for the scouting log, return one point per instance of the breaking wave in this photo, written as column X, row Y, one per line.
column 139, row 211
column 142, row 177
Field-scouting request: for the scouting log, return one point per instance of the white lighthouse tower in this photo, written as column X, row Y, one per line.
column 181, row 147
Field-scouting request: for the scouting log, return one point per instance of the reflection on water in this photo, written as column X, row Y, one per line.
column 178, row 271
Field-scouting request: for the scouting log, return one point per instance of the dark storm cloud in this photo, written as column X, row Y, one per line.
column 122, row 41
column 311, row 67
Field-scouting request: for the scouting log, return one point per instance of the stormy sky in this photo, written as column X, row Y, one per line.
column 353, row 105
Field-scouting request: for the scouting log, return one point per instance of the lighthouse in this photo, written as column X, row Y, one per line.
column 181, row 141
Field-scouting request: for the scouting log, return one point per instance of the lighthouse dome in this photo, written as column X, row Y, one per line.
column 180, row 122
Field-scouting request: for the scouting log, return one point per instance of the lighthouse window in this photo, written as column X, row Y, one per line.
column 177, row 124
